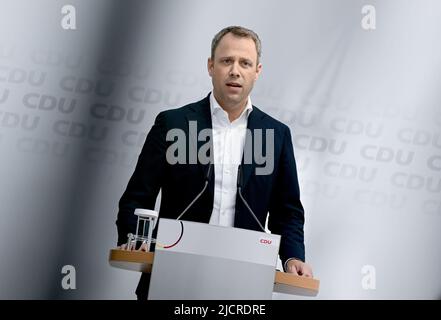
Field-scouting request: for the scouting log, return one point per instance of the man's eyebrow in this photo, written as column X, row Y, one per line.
column 246, row 60
column 240, row 59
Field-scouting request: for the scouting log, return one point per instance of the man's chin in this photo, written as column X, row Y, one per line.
column 235, row 102
column 235, row 97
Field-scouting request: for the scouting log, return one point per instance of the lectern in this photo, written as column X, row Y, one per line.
column 201, row 261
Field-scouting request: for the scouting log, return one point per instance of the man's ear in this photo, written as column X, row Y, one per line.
column 258, row 71
column 210, row 66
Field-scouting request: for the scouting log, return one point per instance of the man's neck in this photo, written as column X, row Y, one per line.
column 234, row 111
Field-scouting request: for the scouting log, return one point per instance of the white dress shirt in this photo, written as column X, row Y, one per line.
column 228, row 144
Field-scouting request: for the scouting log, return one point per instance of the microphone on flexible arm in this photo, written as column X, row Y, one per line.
column 239, row 190
column 207, row 179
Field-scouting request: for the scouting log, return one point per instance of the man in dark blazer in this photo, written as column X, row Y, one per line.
column 233, row 123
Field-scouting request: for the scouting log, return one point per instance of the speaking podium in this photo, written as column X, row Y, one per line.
column 195, row 261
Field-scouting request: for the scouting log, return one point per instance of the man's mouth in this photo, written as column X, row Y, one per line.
column 234, row 85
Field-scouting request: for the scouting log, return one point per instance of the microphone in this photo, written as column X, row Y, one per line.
column 239, row 190
column 207, row 179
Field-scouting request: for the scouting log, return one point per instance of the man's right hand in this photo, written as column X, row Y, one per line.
column 124, row 246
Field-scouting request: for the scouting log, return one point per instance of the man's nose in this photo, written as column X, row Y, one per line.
column 234, row 71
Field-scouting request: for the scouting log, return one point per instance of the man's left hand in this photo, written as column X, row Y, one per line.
column 299, row 268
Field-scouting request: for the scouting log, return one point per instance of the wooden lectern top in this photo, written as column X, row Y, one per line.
column 142, row 261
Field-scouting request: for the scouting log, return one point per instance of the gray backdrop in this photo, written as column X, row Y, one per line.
column 363, row 107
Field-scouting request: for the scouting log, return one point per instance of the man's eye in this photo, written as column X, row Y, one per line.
column 246, row 63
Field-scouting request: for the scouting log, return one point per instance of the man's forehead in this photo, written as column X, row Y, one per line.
column 230, row 40
column 237, row 47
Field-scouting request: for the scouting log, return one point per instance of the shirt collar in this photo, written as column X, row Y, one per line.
column 215, row 107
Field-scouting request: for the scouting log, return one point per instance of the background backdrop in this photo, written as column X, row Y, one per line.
column 363, row 107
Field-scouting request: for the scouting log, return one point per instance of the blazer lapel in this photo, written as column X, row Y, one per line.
column 201, row 117
column 248, row 159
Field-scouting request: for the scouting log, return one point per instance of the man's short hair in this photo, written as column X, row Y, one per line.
column 239, row 32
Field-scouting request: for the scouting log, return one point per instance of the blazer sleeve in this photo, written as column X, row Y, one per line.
column 145, row 183
column 286, row 214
